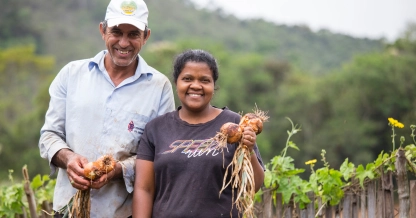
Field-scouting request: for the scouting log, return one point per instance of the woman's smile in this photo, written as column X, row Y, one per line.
column 195, row 86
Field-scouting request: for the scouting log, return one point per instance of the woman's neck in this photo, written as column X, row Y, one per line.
column 203, row 116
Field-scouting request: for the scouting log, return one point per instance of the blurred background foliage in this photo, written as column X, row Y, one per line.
column 339, row 88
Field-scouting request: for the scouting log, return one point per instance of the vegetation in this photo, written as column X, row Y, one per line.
column 338, row 88
column 281, row 176
column 326, row 182
column 72, row 33
column 340, row 97
column 24, row 78
column 13, row 198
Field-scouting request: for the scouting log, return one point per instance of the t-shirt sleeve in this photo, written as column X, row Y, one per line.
column 146, row 149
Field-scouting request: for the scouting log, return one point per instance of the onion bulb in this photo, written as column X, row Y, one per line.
column 252, row 120
column 232, row 131
column 101, row 166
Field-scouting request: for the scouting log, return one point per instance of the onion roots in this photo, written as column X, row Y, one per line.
column 240, row 168
column 80, row 203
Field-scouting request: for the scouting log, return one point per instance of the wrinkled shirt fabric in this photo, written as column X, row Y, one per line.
column 89, row 115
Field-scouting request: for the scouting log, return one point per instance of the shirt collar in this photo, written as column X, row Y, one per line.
column 142, row 67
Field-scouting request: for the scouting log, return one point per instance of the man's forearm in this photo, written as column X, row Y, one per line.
column 118, row 171
column 60, row 159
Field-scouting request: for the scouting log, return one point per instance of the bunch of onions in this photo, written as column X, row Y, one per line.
column 81, row 203
column 101, row 166
column 242, row 175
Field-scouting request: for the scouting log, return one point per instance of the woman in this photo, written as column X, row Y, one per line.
column 179, row 172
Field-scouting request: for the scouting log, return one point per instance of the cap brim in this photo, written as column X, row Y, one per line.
column 126, row 20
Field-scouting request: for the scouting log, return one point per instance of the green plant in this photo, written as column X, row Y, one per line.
column 281, row 175
column 330, row 184
column 43, row 187
column 13, row 198
column 327, row 183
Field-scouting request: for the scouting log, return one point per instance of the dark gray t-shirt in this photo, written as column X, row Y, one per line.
column 188, row 170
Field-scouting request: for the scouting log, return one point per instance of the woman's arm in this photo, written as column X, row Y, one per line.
column 144, row 189
column 258, row 172
column 249, row 139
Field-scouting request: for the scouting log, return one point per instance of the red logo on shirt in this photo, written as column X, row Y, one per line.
column 130, row 127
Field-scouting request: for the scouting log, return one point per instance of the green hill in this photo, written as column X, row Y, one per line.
column 69, row 30
column 340, row 89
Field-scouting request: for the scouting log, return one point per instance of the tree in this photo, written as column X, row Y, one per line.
column 24, row 77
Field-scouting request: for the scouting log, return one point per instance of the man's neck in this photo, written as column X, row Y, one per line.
column 119, row 73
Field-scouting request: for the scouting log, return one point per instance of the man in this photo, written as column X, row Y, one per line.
column 100, row 106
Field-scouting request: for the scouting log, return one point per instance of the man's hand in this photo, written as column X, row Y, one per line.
column 74, row 165
column 106, row 178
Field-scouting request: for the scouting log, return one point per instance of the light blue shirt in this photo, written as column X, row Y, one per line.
column 92, row 117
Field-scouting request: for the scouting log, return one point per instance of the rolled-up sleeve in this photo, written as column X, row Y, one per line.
column 129, row 172
column 52, row 137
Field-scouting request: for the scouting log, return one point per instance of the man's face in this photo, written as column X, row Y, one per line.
column 123, row 43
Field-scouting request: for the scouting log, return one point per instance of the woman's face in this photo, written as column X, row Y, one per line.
column 195, row 86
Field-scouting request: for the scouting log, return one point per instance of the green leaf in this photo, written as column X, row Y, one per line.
column 379, row 159
column 258, row 197
column 293, row 145
column 347, row 169
column 267, row 178
column 336, row 197
column 293, row 172
column 284, row 188
column 362, row 173
column 36, row 182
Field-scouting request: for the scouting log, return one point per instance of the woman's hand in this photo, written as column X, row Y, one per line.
column 249, row 137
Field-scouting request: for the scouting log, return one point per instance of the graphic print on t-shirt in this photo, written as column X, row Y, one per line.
column 194, row 148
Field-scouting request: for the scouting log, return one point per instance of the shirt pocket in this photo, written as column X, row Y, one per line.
column 131, row 126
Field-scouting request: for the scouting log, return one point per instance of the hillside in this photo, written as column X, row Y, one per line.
column 69, row 30
column 312, row 52
column 288, row 71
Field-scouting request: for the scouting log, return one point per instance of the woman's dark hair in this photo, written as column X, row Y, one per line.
column 194, row 55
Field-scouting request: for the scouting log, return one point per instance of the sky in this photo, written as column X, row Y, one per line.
column 373, row 19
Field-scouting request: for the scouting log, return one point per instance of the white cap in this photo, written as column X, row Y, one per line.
column 132, row 12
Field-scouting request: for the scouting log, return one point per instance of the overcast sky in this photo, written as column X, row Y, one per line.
column 360, row 18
